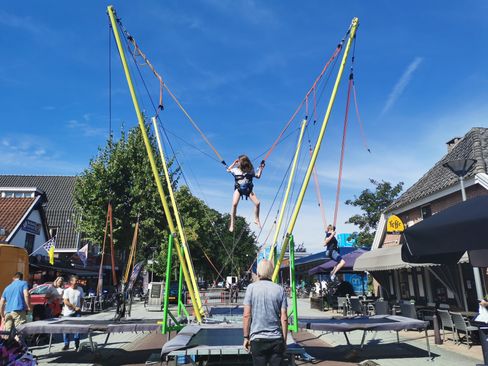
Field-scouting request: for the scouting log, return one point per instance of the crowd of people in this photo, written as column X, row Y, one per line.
column 15, row 303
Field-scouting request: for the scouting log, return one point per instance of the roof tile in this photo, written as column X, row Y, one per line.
column 11, row 211
column 474, row 145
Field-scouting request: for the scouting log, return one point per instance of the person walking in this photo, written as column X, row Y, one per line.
column 15, row 303
column 265, row 319
column 73, row 299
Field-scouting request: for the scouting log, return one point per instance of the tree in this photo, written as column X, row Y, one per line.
column 372, row 204
column 121, row 174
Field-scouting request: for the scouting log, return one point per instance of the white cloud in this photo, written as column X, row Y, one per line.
column 85, row 127
column 401, row 84
column 248, row 10
column 33, row 155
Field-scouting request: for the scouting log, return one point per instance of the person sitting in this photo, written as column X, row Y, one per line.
column 344, row 288
column 243, row 172
column 332, row 251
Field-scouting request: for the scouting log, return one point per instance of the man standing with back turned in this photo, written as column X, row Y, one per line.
column 265, row 319
column 15, row 302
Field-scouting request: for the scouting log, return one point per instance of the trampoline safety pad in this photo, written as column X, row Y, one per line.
column 214, row 340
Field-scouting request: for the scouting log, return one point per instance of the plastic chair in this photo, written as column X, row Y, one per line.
column 381, row 308
column 462, row 325
column 447, row 323
column 341, row 304
column 408, row 310
column 355, row 306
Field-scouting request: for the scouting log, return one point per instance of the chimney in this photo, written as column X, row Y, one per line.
column 452, row 143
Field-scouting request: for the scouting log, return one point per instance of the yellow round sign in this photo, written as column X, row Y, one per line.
column 394, row 224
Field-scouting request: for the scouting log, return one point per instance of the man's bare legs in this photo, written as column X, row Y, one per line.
column 256, row 202
column 235, row 202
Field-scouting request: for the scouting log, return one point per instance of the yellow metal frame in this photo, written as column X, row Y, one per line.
column 181, row 231
column 301, row 195
column 287, row 193
column 140, row 118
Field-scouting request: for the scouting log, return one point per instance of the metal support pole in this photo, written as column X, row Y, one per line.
column 152, row 269
column 147, row 143
column 180, row 291
column 301, row 195
column 167, row 285
column 181, row 232
column 287, row 192
column 476, row 270
column 294, row 305
column 463, row 289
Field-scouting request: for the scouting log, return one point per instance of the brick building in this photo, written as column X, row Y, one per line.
column 435, row 191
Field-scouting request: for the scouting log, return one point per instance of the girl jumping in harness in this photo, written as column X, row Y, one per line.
column 243, row 173
column 332, row 251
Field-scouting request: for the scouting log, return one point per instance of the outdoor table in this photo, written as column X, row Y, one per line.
column 425, row 310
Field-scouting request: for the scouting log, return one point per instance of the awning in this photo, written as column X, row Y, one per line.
column 445, row 236
column 69, row 271
column 384, row 259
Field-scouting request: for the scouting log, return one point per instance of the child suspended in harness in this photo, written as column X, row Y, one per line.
column 332, row 250
column 243, row 173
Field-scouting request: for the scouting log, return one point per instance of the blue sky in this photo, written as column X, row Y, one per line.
column 241, row 68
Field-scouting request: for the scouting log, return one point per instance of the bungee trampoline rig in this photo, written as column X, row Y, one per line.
column 210, row 335
column 222, row 338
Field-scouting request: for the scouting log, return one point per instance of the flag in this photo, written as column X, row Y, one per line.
column 83, row 254
column 49, row 247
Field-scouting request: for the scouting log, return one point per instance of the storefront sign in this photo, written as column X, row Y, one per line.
column 31, row 227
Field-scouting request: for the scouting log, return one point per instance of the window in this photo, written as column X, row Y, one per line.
column 53, row 231
column 29, row 242
column 426, row 211
column 17, row 194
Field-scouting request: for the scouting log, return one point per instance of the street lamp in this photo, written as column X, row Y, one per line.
column 153, row 249
column 461, row 167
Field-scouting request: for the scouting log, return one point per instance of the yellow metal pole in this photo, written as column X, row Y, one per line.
column 291, row 226
column 140, row 118
column 181, row 232
column 288, row 188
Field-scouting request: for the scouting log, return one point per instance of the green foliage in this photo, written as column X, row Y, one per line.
column 207, row 233
column 121, row 174
column 372, row 204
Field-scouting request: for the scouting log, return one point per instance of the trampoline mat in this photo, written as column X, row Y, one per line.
column 77, row 321
column 76, row 325
column 377, row 322
column 226, row 310
column 217, row 337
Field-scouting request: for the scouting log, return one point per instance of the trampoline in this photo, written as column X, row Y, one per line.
column 374, row 323
column 227, row 314
column 217, row 343
column 87, row 326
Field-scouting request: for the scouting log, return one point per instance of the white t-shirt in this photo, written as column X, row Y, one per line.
column 74, row 296
column 244, row 180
